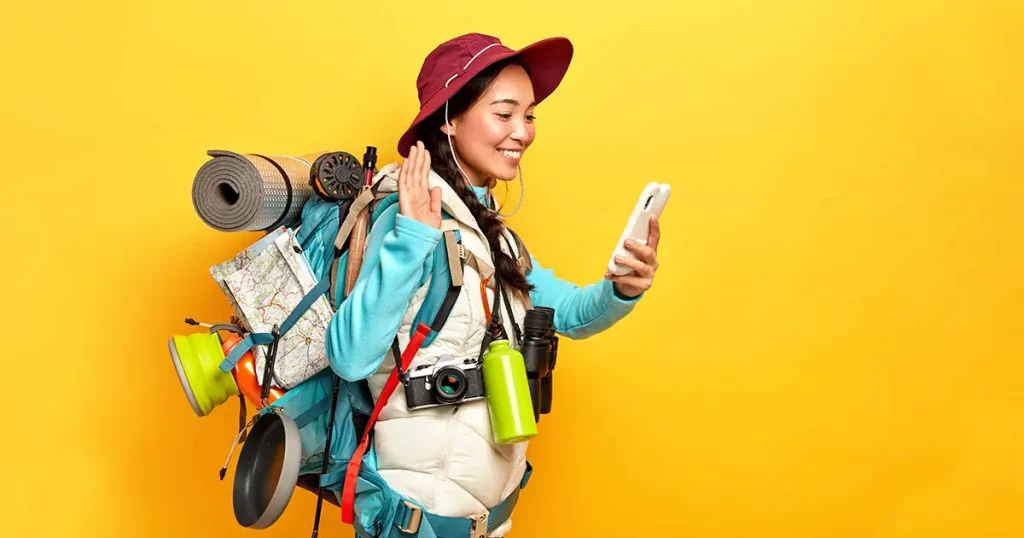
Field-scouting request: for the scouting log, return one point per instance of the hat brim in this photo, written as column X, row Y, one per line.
column 546, row 62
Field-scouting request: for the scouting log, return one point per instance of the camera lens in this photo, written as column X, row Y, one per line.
column 450, row 385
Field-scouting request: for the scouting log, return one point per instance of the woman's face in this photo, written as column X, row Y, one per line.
column 491, row 137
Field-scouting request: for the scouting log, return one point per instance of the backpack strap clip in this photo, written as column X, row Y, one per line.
column 484, row 269
column 524, row 262
column 455, row 257
column 413, row 519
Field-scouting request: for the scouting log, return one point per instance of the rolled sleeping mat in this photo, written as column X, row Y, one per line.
column 233, row 192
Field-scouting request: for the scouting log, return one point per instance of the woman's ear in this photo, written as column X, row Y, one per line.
column 448, row 128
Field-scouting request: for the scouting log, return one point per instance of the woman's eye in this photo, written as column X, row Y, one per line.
column 506, row 117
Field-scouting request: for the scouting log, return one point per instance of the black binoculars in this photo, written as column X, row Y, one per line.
column 540, row 351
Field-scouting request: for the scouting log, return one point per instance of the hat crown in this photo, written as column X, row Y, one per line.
column 450, row 58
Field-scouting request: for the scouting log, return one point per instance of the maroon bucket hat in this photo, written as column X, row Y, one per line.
column 455, row 62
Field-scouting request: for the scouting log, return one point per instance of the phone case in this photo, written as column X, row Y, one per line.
column 652, row 201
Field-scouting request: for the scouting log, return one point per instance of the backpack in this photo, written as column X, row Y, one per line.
column 345, row 432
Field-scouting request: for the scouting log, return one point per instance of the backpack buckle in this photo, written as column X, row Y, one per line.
column 415, row 517
column 479, row 528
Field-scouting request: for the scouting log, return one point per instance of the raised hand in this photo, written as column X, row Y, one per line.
column 416, row 199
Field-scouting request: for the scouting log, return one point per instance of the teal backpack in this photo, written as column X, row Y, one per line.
column 350, row 479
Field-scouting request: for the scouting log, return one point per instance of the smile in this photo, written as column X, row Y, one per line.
column 511, row 154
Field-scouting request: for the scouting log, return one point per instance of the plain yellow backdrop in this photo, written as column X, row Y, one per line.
column 832, row 346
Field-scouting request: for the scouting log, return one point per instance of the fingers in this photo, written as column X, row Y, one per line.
column 435, row 200
column 414, row 167
column 643, row 252
column 415, row 197
column 424, row 166
column 403, row 183
column 654, row 234
column 640, row 267
column 403, row 172
column 408, row 172
column 633, row 281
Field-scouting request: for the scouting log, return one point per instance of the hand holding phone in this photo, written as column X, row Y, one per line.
column 652, row 201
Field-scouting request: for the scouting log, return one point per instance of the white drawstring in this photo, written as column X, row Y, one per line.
column 465, row 67
column 478, row 54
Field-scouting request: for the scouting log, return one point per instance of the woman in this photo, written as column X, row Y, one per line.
column 477, row 99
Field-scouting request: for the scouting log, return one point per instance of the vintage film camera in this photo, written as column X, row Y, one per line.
column 448, row 381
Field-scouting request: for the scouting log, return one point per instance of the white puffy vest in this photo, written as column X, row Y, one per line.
column 445, row 458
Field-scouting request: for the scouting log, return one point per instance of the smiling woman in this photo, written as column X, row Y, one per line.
column 476, row 122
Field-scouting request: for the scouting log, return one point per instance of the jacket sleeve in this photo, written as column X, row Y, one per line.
column 579, row 312
column 395, row 265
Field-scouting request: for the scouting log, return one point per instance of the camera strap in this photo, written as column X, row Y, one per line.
column 508, row 304
column 397, row 352
column 495, row 329
column 348, row 492
column 517, row 332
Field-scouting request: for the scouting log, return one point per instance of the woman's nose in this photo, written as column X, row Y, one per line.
column 521, row 132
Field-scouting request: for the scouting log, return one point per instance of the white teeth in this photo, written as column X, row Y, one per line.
column 513, row 154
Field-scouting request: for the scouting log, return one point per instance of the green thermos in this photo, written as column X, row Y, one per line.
column 508, row 394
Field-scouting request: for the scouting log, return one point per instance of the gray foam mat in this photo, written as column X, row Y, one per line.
column 235, row 192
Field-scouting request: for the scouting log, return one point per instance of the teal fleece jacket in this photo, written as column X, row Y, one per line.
column 397, row 262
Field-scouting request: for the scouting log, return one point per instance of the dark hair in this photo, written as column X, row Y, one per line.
column 443, row 162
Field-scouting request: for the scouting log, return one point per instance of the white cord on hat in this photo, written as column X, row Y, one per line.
column 478, row 54
column 465, row 67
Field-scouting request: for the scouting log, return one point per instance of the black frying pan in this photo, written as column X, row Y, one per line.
column 267, row 471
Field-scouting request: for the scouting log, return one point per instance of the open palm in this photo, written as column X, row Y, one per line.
column 416, row 199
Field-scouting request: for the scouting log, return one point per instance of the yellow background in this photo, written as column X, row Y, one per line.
column 832, row 346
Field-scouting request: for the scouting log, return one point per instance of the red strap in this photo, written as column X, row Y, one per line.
column 348, row 491
column 483, row 295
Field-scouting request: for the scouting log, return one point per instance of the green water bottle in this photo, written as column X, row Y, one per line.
column 508, row 394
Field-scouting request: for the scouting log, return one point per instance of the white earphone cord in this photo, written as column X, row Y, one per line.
column 522, row 195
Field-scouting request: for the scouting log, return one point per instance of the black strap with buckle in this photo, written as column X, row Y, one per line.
column 495, row 330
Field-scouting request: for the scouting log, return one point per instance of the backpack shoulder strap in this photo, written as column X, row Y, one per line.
column 348, row 213
column 366, row 196
column 525, row 264
column 382, row 201
column 446, row 281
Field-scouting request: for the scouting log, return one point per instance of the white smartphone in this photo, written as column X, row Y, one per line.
column 651, row 202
